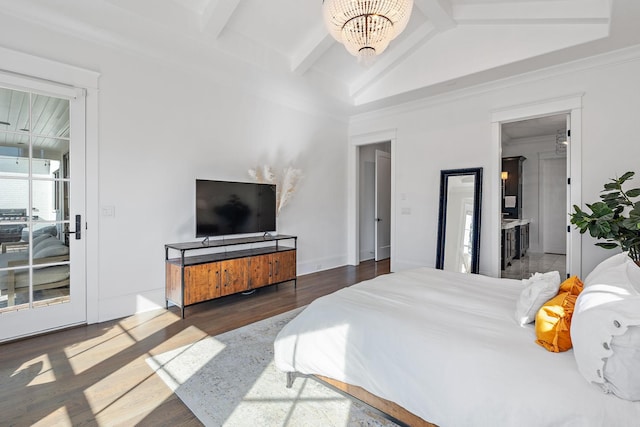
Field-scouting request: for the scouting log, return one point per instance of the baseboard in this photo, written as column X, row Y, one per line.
column 321, row 264
column 366, row 255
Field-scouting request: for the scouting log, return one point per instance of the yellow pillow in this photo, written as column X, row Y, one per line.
column 553, row 320
column 573, row 285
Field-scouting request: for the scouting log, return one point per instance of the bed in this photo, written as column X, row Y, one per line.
column 446, row 348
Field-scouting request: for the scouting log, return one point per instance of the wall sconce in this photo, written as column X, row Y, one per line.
column 504, row 175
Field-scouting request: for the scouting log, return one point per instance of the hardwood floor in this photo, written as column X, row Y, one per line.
column 97, row 375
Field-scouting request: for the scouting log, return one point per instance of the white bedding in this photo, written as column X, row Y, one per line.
column 446, row 347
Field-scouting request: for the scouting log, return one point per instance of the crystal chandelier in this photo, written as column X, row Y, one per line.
column 366, row 27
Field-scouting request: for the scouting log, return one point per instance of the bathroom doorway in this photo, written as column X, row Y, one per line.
column 534, row 202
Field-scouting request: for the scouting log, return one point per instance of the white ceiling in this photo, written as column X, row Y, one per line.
column 448, row 44
column 533, row 128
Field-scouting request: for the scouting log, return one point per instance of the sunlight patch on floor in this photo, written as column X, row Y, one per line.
column 285, row 404
column 125, row 383
column 39, row 369
column 59, row 417
column 90, row 353
column 117, row 338
column 190, row 365
column 146, row 393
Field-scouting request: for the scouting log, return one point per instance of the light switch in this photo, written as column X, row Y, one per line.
column 405, row 211
column 108, row 210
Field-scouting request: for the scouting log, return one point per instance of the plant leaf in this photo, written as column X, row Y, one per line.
column 625, row 177
column 601, row 210
column 611, row 196
column 634, row 192
column 607, row 245
column 611, row 186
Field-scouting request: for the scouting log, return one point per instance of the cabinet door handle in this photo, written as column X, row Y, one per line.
column 226, row 277
column 270, row 269
column 277, row 267
column 217, row 279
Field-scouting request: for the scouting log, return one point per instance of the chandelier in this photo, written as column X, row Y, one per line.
column 366, row 27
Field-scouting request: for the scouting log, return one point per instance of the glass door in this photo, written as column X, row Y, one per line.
column 42, row 251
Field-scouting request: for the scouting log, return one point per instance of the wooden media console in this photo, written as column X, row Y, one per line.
column 208, row 270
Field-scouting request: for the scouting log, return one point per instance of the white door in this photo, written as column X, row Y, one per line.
column 554, row 205
column 42, row 208
column 383, row 205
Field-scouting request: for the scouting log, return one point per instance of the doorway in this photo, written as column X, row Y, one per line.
column 534, row 174
column 42, row 209
column 374, row 199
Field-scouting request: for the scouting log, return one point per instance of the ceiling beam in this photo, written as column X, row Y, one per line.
column 311, row 49
column 534, row 12
column 216, row 14
column 392, row 57
column 439, row 12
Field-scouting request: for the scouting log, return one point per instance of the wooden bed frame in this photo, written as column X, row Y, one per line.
column 385, row 406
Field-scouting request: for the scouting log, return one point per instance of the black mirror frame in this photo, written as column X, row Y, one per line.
column 442, row 217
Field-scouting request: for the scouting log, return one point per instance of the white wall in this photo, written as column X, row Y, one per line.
column 161, row 126
column 165, row 120
column 455, row 132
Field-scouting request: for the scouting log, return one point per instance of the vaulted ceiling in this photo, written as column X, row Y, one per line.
column 448, row 44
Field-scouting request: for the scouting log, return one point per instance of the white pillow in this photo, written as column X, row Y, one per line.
column 604, row 268
column 540, row 288
column 40, row 238
column 52, row 250
column 49, row 241
column 605, row 330
column 621, row 370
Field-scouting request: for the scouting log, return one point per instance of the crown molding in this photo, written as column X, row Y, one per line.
column 616, row 57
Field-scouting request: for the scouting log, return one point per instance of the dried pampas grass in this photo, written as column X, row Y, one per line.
column 286, row 185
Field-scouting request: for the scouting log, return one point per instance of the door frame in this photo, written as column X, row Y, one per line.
column 18, row 67
column 571, row 105
column 353, row 188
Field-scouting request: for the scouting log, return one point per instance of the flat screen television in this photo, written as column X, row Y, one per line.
column 225, row 208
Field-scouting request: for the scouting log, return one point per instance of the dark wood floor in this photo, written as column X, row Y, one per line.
column 97, row 374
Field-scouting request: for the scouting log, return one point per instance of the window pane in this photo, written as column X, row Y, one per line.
column 50, row 116
column 14, row 110
column 14, row 203
column 48, row 156
column 14, row 287
column 40, row 233
column 44, row 200
column 14, row 154
column 51, row 284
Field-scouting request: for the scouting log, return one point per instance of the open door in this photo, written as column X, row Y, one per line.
column 383, row 206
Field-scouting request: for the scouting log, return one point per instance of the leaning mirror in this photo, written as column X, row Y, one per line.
column 459, row 220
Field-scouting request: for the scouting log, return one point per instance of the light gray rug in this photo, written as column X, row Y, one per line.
column 231, row 380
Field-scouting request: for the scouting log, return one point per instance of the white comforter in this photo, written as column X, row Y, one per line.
column 446, row 347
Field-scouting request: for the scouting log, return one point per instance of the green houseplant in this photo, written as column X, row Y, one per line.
column 616, row 218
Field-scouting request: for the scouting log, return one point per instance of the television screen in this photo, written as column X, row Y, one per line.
column 224, row 208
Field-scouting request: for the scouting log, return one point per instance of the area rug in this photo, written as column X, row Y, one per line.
column 231, row 380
